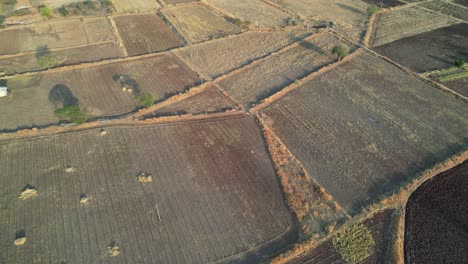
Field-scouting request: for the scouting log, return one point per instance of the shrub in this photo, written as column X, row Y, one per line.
column 63, row 11
column 71, row 113
column 2, row 20
column 459, row 63
column 372, row 9
column 47, row 61
column 145, row 100
column 354, row 244
column 45, row 11
column 341, row 51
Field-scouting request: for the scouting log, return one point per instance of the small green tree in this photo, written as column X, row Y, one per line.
column 71, row 113
column 341, row 51
column 459, row 63
column 372, row 9
column 47, row 61
column 45, row 11
column 145, row 100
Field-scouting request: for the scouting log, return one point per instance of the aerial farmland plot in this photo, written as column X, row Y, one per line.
column 175, row 2
column 436, row 217
column 130, row 6
column 390, row 121
column 448, row 8
column 433, row 50
column 145, row 34
column 95, row 89
column 220, row 56
column 196, row 23
column 223, row 205
column 256, row 12
column 406, row 22
column 262, row 79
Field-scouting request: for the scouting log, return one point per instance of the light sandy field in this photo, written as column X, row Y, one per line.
column 197, row 23
column 223, row 205
column 255, row 83
column 349, row 16
column 365, row 128
column 124, row 6
column 254, row 11
column 406, row 22
column 223, row 55
column 56, row 34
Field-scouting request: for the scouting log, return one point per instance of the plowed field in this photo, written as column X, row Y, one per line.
column 223, row 204
column 437, row 219
column 145, row 34
column 365, row 128
column 197, row 23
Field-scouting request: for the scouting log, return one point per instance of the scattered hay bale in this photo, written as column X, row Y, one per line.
column 103, row 132
column 70, row 169
column 144, row 177
column 20, row 241
column 113, row 249
column 85, row 199
column 28, row 191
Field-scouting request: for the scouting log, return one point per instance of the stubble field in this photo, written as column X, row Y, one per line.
column 223, row 205
column 365, row 128
column 126, row 6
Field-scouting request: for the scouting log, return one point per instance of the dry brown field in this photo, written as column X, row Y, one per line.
column 256, row 83
column 349, row 16
column 406, row 22
column 220, row 56
column 196, row 23
column 175, row 2
column 95, row 89
column 57, row 34
column 209, row 100
column 145, row 34
column 11, row 64
column 448, row 8
column 365, row 128
column 256, row 12
column 129, row 6
column 223, row 205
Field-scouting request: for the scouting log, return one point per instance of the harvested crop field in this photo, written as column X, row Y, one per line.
column 209, row 100
column 433, row 50
column 145, row 34
column 253, row 84
column 349, row 16
column 124, row 6
column 57, row 34
column 220, row 56
column 11, row 64
column 436, row 219
column 380, row 227
column 197, row 23
column 94, row 88
column 384, row 4
column 256, row 12
column 447, row 8
column 367, row 127
column 175, row 2
column 406, row 22
column 223, row 205
column 460, row 86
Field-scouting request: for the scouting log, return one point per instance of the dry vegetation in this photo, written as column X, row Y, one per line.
column 448, row 8
column 125, row 6
column 197, row 23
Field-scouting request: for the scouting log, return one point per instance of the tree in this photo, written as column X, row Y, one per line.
column 145, row 100
column 71, row 113
column 63, row 11
column 47, row 61
column 45, row 11
column 372, row 9
column 459, row 63
column 341, row 51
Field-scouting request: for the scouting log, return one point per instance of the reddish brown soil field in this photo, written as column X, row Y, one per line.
column 145, row 34
column 365, row 128
column 379, row 225
column 95, row 89
column 429, row 51
column 223, row 205
column 210, row 100
column 437, row 219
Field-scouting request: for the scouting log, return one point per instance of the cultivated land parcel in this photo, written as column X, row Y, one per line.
column 221, row 131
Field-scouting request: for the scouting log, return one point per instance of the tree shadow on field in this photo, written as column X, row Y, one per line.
column 41, row 51
column 349, row 8
column 313, row 47
column 60, row 96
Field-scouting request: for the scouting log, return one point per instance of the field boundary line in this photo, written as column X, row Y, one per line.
column 370, row 29
column 293, row 86
column 171, row 25
column 437, row 11
column 117, row 35
column 281, row 8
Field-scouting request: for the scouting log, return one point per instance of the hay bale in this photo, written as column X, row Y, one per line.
column 113, row 249
column 144, row 177
column 70, row 169
column 103, row 132
column 20, row 241
column 85, row 199
column 28, row 192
